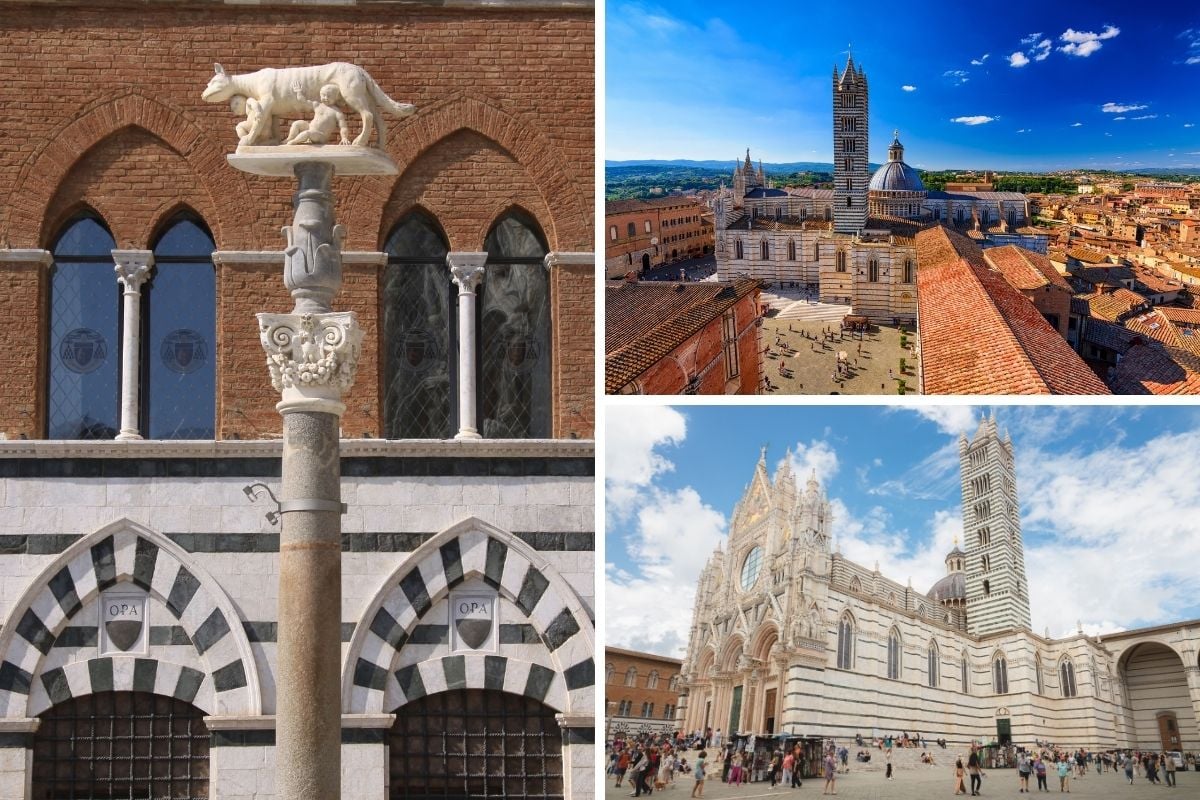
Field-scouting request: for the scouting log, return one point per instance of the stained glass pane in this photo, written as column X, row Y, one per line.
column 514, row 333
column 84, row 381
column 178, row 346
column 418, row 317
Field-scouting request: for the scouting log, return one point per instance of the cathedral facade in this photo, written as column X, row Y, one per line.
column 790, row 637
column 853, row 243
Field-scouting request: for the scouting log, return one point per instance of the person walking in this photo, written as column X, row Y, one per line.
column 830, row 774
column 1169, row 769
column 1152, row 768
column 797, row 767
column 1039, row 769
column 735, row 769
column 1024, row 767
column 888, row 758
column 699, row 774
column 789, row 761
column 1129, row 769
column 1064, row 775
column 622, row 765
column 974, row 771
column 960, row 787
column 774, row 769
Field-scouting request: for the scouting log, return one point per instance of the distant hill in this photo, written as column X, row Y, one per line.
column 724, row 166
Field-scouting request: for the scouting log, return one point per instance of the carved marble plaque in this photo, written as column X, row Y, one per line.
column 473, row 622
column 124, row 628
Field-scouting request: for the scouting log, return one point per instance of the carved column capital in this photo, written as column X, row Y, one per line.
column 466, row 269
column 133, row 268
column 312, row 358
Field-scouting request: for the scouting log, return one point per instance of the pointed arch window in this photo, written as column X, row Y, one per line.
column 1000, row 675
column 966, row 674
column 895, row 655
column 841, row 261
column 737, row 246
column 791, row 250
column 873, row 269
column 610, row 672
column 1037, row 669
column 1066, row 675
column 420, row 354
column 631, row 676
column 764, row 250
column 933, row 665
column 908, row 270
column 85, row 334
column 179, row 319
column 652, row 679
column 845, row 643
column 513, row 332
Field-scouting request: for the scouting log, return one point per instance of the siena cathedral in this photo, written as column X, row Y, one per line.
column 854, row 241
column 790, row 637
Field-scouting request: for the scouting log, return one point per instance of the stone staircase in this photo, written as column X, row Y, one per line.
column 908, row 758
column 793, row 306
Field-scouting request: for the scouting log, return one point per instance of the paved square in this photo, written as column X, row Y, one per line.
column 922, row 783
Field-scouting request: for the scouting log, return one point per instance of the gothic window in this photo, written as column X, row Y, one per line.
column 849, row 184
column 966, row 674
column 845, row 643
column 1066, row 674
column 985, row 217
column 908, row 270
column 937, row 215
column 513, row 332
column 85, row 344
column 652, row 679
column 1000, row 675
column 849, row 202
column 985, row 537
column 1012, row 218
column 847, row 163
column 828, row 213
column 764, row 250
column 668, row 711
column 626, row 708
column 738, row 249
column 985, row 564
column 816, row 252
column 631, row 676
column 778, row 213
column 179, row 310
column 1037, row 668
column 895, row 655
column 791, row 250
column 631, row 230
column 855, row 586
column 841, row 261
column 872, row 269
column 987, row 588
column 610, row 672
column 732, row 365
column 419, row 343
column 934, row 664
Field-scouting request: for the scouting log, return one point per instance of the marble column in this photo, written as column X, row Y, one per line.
column 133, row 268
column 467, row 271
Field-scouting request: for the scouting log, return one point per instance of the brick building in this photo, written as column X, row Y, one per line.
column 116, row 164
column 641, row 691
column 682, row 338
column 641, row 234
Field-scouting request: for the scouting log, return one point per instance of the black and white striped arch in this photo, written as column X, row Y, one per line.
column 561, row 674
column 220, row 677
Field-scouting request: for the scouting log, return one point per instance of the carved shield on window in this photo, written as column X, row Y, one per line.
column 183, row 351
column 83, row 350
column 124, row 619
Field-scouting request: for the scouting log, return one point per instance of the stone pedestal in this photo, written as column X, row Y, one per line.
column 133, row 268
column 312, row 354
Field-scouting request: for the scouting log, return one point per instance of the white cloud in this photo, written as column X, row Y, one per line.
column 978, row 62
column 976, row 120
column 908, row 87
column 819, row 456
column 1025, row 130
column 1119, row 119
column 1147, row 116
column 1042, row 51
column 959, row 76
column 872, row 539
column 669, row 566
column 631, row 461
column 951, row 420
column 1084, row 43
column 1077, row 125
column 1120, row 108
column 1193, row 60
column 1189, row 124
column 1017, row 59
column 1032, row 38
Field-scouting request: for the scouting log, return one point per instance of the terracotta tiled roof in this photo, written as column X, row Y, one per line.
column 1024, row 269
column 647, row 320
column 624, row 206
column 1154, row 281
column 1154, row 369
column 1181, row 316
column 1087, row 255
column 1155, row 326
column 1109, row 335
column 1113, row 305
column 979, row 335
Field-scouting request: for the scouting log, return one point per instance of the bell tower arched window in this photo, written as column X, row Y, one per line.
column 85, row 334
column 513, row 332
column 179, row 320
column 419, row 353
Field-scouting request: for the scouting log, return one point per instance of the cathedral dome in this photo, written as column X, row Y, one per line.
column 895, row 175
column 951, row 587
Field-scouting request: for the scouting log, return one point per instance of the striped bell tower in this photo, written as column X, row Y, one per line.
column 997, row 591
column 850, row 141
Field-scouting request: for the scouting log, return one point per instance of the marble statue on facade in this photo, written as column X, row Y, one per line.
column 299, row 91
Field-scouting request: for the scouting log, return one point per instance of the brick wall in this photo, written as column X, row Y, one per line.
column 111, row 119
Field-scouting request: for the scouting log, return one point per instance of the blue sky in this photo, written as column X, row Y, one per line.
column 706, row 81
column 1110, row 503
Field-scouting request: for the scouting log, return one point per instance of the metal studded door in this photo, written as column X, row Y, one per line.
column 131, row 745
column 472, row 743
